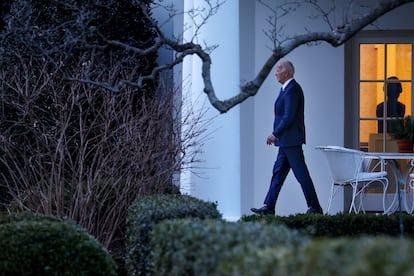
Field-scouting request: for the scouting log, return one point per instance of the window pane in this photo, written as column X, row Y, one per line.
column 399, row 61
column 405, row 96
column 371, row 94
column 367, row 127
column 378, row 110
column 371, row 61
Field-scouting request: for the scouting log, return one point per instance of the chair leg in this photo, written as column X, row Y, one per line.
column 411, row 185
column 330, row 198
column 352, row 207
column 384, row 194
column 361, row 193
column 361, row 198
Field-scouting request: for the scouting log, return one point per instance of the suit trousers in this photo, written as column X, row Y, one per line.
column 291, row 158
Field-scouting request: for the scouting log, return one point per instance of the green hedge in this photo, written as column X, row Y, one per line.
column 209, row 247
column 38, row 245
column 341, row 225
column 181, row 235
column 216, row 247
column 146, row 212
column 379, row 256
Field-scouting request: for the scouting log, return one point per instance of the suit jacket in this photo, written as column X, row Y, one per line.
column 289, row 123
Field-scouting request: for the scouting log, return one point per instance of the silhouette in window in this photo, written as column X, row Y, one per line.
column 394, row 107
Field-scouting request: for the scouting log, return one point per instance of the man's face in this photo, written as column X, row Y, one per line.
column 281, row 75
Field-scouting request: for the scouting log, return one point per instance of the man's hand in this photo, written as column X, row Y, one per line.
column 270, row 139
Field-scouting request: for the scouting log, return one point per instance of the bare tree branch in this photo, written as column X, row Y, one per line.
column 336, row 38
column 343, row 19
column 336, row 35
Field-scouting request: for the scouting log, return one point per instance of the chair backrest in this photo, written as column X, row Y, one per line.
column 344, row 164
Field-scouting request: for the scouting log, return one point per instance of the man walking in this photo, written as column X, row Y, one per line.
column 289, row 135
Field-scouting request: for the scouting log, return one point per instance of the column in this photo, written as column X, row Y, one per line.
column 218, row 179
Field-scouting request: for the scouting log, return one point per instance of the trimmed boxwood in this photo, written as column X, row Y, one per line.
column 341, row 225
column 146, row 212
column 215, row 247
column 363, row 256
column 340, row 256
column 27, row 216
column 39, row 245
column 204, row 247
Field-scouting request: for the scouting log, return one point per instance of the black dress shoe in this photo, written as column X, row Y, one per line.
column 312, row 210
column 263, row 211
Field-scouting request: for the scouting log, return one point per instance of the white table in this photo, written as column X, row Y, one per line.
column 401, row 175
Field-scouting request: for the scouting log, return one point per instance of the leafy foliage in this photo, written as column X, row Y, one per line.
column 404, row 129
column 263, row 245
column 342, row 225
column 37, row 245
column 147, row 212
column 340, row 256
column 211, row 247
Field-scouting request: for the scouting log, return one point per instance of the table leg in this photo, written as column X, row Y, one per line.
column 400, row 200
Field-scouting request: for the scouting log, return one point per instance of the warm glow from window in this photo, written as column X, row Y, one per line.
column 378, row 62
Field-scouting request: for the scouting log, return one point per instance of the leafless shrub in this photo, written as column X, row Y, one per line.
column 73, row 150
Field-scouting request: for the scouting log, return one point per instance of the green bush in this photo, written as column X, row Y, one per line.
column 211, row 247
column 17, row 217
column 215, row 247
column 341, row 225
column 363, row 256
column 38, row 245
column 147, row 211
column 342, row 256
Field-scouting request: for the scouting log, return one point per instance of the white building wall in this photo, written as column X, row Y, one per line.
column 218, row 179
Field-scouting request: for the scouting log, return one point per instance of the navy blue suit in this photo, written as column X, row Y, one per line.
column 289, row 130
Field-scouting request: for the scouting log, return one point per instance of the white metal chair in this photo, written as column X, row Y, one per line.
column 411, row 187
column 353, row 168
